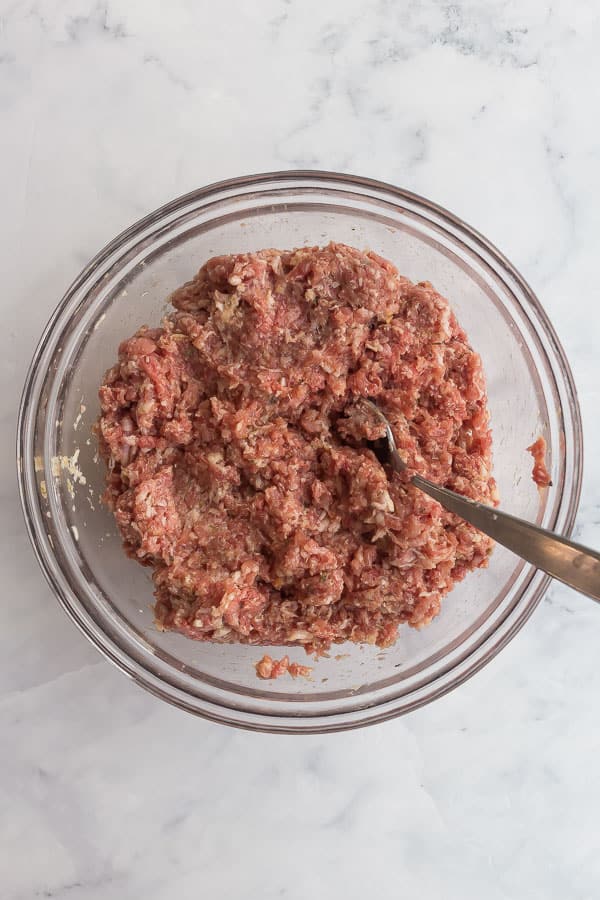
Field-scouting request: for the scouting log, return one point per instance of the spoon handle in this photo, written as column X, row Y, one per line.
column 577, row 566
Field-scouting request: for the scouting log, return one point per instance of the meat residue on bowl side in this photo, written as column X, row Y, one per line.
column 238, row 464
column 540, row 473
column 268, row 668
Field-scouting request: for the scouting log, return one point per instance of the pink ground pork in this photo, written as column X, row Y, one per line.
column 237, row 454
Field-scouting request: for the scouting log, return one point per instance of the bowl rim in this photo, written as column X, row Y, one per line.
column 321, row 722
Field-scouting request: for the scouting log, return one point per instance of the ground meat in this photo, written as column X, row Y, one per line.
column 540, row 473
column 267, row 668
column 239, row 463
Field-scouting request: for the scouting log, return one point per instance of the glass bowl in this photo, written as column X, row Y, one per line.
column 530, row 389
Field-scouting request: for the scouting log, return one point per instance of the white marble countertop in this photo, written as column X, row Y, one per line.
column 107, row 110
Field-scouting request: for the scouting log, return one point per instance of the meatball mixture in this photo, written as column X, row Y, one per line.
column 240, row 465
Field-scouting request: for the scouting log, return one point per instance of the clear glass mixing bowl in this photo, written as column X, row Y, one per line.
column 530, row 392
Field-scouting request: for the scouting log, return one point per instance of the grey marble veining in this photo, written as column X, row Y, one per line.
column 107, row 110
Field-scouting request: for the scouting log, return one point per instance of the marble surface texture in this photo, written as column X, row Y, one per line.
column 107, row 110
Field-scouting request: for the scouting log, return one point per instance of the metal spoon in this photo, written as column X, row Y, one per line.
column 577, row 566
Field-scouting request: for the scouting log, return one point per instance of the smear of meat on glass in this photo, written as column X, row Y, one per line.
column 237, row 455
column 540, row 473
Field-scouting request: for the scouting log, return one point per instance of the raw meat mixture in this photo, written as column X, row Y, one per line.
column 237, row 454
